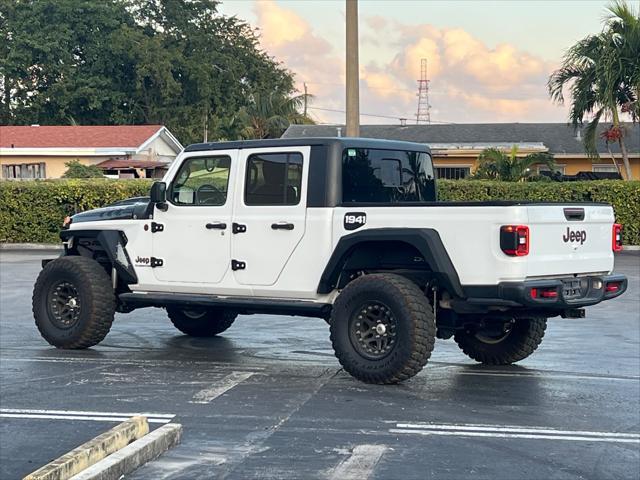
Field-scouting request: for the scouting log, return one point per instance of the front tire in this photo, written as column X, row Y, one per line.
column 201, row 322
column 73, row 302
column 382, row 328
column 517, row 344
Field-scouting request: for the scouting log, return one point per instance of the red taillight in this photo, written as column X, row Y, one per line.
column 544, row 292
column 612, row 287
column 616, row 237
column 514, row 240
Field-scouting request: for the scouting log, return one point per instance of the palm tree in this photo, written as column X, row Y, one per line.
column 268, row 116
column 494, row 164
column 603, row 75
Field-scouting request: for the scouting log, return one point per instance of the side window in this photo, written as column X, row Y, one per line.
column 386, row 176
column 273, row 179
column 202, row 181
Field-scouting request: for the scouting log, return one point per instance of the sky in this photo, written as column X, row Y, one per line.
column 488, row 61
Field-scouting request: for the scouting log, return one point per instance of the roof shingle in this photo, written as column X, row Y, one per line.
column 558, row 137
column 48, row 136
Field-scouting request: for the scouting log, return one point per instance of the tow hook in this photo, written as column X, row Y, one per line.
column 573, row 313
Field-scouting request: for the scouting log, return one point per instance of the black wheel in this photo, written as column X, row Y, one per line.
column 502, row 348
column 73, row 302
column 201, row 321
column 382, row 328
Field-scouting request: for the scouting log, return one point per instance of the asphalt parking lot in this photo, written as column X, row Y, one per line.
column 268, row 399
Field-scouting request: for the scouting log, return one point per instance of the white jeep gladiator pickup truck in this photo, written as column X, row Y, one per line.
column 345, row 229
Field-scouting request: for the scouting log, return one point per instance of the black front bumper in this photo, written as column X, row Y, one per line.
column 570, row 293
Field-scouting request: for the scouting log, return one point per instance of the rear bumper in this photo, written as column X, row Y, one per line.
column 570, row 292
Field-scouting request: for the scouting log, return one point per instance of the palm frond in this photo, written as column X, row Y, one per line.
column 591, row 135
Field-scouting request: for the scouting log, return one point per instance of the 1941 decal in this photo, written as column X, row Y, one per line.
column 353, row 220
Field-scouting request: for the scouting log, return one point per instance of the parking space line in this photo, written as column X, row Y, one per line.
column 360, row 464
column 550, row 376
column 118, row 361
column 82, row 415
column 504, row 431
column 227, row 383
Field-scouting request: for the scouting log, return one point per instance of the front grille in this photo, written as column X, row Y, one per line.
column 574, row 288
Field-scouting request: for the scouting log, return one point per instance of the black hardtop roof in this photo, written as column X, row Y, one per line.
column 343, row 142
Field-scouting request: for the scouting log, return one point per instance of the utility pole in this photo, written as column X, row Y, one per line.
column 353, row 74
column 305, row 99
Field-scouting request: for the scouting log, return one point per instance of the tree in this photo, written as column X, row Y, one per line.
column 173, row 62
column 75, row 169
column 495, row 164
column 603, row 75
column 269, row 115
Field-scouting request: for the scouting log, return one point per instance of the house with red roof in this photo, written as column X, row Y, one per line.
column 124, row 151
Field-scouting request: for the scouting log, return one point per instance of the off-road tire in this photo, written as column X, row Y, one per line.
column 95, row 297
column 521, row 341
column 414, row 328
column 209, row 322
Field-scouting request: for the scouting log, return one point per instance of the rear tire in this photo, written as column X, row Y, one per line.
column 382, row 328
column 201, row 322
column 517, row 344
column 73, row 302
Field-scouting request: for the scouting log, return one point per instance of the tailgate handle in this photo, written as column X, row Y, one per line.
column 574, row 214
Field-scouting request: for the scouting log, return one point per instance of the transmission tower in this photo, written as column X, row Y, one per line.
column 423, row 115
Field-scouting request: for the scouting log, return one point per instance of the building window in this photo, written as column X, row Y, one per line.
column 605, row 168
column 24, row 171
column 559, row 168
column 452, row 173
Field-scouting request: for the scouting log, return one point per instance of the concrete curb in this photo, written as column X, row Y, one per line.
column 30, row 246
column 134, row 455
column 92, row 451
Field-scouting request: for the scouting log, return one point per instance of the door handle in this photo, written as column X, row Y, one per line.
column 216, row 226
column 282, row 226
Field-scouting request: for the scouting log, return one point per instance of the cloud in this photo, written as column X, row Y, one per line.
column 469, row 80
column 291, row 40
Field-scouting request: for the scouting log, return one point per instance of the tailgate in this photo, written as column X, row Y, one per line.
column 569, row 239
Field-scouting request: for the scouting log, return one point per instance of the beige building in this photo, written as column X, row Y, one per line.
column 125, row 151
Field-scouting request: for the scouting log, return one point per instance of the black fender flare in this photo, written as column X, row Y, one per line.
column 113, row 242
column 426, row 240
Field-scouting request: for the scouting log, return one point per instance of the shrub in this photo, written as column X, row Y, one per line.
column 623, row 195
column 33, row 211
column 75, row 169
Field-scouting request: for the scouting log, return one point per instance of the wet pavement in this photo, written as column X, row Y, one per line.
column 268, row 399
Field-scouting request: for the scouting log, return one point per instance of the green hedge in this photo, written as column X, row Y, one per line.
column 624, row 196
column 33, row 211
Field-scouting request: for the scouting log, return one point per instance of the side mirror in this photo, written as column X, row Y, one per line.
column 158, row 195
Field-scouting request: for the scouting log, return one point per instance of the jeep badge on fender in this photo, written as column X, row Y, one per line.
column 575, row 236
column 353, row 220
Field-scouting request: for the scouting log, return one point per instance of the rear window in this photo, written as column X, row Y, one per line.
column 386, row 176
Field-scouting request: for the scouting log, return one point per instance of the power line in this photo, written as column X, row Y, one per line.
column 362, row 114
column 372, row 114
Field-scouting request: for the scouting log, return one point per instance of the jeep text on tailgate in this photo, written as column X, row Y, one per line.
column 345, row 229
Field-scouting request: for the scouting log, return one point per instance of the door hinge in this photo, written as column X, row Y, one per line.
column 236, row 265
column 156, row 262
column 156, row 227
column 238, row 228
